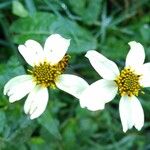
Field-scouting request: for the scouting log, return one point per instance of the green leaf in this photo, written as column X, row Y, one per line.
column 41, row 25
column 30, row 4
column 18, row 9
column 11, row 69
column 88, row 10
column 115, row 48
column 145, row 32
column 2, row 120
column 50, row 123
column 70, row 134
column 24, row 129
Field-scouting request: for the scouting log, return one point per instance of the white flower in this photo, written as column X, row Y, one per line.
column 128, row 83
column 47, row 67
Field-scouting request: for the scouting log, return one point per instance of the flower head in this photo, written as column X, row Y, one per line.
column 47, row 68
column 128, row 83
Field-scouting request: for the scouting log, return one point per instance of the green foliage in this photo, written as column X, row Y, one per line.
column 88, row 10
column 18, row 9
column 106, row 26
column 51, row 124
column 46, row 24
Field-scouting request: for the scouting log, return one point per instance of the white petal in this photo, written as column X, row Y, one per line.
column 97, row 94
column 55, row 48
column 36, row 102
column 32, row 52
column 18, row 87
column 105, row 67
column 131, row 113
column 72, row 84
column 136, row 55
column 145, row 78
column 14, row 81
column 137, row 113
column 125, row 111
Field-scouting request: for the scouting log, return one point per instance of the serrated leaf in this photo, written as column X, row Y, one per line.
column 87, row 10
column 23, row 129
column 41, row 25
column 114, row 48
column 50, row 123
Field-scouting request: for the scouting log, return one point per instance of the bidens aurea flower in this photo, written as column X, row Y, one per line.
column 47, row 68
column 129, row 82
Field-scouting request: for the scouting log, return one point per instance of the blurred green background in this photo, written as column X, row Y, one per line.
column 104, row 25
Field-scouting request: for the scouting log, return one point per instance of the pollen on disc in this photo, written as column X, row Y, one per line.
column 128, row 82
column 46, row 74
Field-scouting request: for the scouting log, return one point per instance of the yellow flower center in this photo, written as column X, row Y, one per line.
column 128, row 82
column 46, row 74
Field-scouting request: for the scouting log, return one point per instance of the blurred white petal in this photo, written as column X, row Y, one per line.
column 137, row 113
column 18, row 87
column 15, row 81
column 55, row 48
column 105, row 67
column 36, row 102
column 131, row 113
column 145, row 78
column 72, row 84
column 97, row 94
column 125, row 111
column 136, row 55
column 32, row 52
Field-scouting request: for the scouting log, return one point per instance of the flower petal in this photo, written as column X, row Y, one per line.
column 131, row 113
column 136, row 55
column 55, row 48
column 97, row 94
column 18, row 87
column 145, row 78
column 137, row 113
column 36, row 102
column 32, row 52
column 125, row 113
column 72, row 84
column 105, row 67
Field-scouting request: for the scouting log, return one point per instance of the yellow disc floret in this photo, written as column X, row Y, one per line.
column 46, row 74
column 128, row 82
